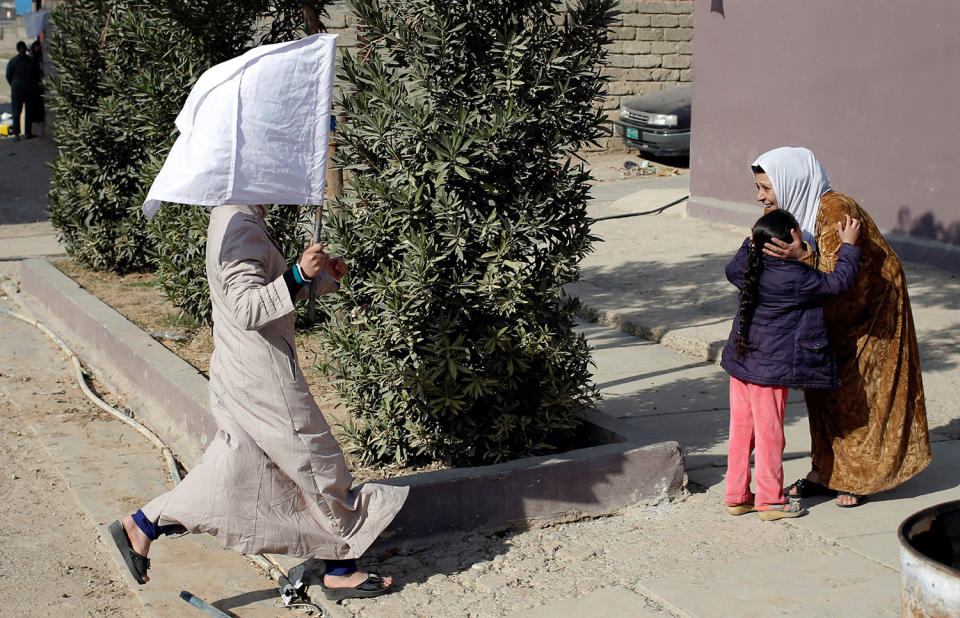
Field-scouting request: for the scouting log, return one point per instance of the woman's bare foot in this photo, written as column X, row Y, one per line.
column 351, row 581
column 138, row 540
column 848, row 499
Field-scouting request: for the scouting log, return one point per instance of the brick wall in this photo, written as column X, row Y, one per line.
column 651, row 49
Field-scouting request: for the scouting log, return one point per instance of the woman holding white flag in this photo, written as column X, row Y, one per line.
column 273, row 479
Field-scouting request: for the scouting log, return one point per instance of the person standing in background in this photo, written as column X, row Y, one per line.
column 37, row 111
column 778, row 342
column 23, row 75
column 870, row 434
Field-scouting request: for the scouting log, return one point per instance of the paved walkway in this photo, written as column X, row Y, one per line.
column 661, row 277
column 24, row 228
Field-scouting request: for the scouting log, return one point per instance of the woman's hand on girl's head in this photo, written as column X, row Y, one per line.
column 849, row 230
column 787, row 251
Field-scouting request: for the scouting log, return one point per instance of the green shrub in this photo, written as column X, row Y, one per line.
column 96, row 170
column 461, row 220
column 125, row 70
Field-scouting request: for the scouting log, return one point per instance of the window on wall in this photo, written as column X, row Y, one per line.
column 8, row 12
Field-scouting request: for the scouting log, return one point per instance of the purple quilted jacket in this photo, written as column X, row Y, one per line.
column 788, row 334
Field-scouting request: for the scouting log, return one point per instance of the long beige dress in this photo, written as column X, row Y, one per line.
column 871, row 433
column 273, row 480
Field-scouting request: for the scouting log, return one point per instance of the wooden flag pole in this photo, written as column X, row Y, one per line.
column 333, row 189
column 334, row 176
column 310, row 19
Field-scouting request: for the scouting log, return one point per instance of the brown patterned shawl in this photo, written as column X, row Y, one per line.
column 871, row 433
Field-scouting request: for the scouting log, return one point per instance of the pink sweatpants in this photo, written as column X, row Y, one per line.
column 756, row 423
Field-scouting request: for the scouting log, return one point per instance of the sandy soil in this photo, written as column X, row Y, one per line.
column 50, row 561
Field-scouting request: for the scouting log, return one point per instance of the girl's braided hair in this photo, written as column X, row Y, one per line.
column 775, row 224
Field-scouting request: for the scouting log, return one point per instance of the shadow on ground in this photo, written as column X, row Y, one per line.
column 666, row 296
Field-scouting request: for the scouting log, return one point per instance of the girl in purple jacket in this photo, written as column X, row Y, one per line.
column 778, row 341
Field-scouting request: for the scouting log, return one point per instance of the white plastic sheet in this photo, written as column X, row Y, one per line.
column 254, row 130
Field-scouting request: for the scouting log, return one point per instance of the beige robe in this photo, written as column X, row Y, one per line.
column 871, row 433
column 273, row 480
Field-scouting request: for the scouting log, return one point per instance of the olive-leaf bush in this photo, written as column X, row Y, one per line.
column 96, row 170
column 125, row 68
column 461, row 219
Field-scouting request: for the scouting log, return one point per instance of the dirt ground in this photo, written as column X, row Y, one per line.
column 51, row 562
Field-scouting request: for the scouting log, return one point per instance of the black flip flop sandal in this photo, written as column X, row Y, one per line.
column 859, row 497
column 807, row 488
column 369, row 588
column 138, row 565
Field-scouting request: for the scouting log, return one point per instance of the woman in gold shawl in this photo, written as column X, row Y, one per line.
column 870, row 434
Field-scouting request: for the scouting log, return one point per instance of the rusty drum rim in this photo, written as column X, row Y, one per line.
column 953, row 505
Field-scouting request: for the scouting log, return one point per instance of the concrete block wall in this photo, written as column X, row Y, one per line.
column 651, row 49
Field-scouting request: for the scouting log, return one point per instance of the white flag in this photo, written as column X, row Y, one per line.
column 254, row 130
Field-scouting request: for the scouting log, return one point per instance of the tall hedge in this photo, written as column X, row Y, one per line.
column 100, row 146
column 462, row 218
column 125, row 70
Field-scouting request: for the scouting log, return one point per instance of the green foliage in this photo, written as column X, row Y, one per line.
column 125, row 69
column 97, row 167
column 461, row 220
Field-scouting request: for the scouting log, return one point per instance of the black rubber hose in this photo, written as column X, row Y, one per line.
column 646, row 212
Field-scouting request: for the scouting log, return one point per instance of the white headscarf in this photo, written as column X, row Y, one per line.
column 798, row 181
column 254, row 130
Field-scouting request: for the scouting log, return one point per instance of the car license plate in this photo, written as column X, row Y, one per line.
column 633, row 133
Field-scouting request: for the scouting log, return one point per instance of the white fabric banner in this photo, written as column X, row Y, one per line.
column 254, row 130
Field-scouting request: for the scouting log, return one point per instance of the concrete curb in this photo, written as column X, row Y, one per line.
column 596, row 480
column 170, row 396
column 679, row 342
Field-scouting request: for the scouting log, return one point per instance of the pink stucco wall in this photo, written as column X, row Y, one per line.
column 871, row 86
